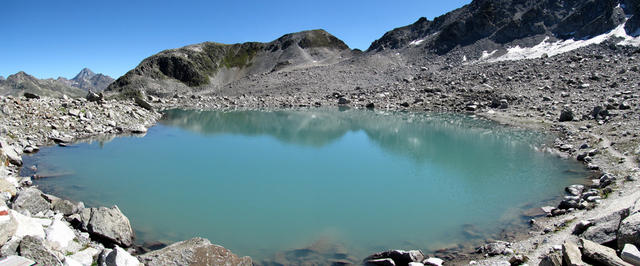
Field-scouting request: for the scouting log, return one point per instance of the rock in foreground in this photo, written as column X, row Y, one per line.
column 195, row 251
column 108, row 224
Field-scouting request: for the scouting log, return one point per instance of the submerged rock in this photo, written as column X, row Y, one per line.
column 195, row 251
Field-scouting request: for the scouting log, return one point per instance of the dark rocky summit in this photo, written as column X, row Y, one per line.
column 505, row 21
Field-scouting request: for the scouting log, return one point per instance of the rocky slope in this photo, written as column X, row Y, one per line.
column 21, row 82
column 208, row 66
column 491, row 23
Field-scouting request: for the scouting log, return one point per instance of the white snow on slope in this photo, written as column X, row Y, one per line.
column 416, row 42
column 559, row 47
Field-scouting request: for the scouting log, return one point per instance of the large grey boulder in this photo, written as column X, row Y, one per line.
column 6, row 186
column 493, row 249
column 571, row 254
column 108, row 224
column 399, row 257
column 552, row 259
column 195, row 251
column 8, row 226
column 34, row 248
column 119, row 257
column 605, row 228
column 601, row 254
column 67, row 207
column 10, row 153
column 630, row 254
column 629, row 232
column 32, row 200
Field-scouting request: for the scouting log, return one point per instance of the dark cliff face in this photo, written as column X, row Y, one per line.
column 195, row 65
column 504, row 21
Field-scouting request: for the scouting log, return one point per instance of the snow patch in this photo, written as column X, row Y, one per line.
column 417, row 42
column 559, row 47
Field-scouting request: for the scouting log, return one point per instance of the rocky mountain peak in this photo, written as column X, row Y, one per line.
column 500, row 22
column 85, row 73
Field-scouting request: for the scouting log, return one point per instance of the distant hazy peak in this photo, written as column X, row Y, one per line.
column 85, row 73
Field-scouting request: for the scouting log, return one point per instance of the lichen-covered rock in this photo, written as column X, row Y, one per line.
column 400, row 257
column 34, row 248
column 32, row 200
column 195, row 251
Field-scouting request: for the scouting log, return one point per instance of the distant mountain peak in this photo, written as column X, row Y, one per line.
column 85, row 73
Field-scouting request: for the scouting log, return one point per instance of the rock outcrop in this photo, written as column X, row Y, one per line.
column 108, row 224
column 195, row 251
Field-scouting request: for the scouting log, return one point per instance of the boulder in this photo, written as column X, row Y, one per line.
column 84, row 257
column 142, row 103
column 8, row 226
column 6, row 186
column 67, row 207
column 600, row 254
column 518, row 259
column 138, row 129
column 119, row 257
column 195, row 251
column 380, row 262
column 605, row 228
column 109, row 225
column 26, row 226
column 16, row 260
column 94, row 97
column 571, row 254
column 343, row 100
column 629, row 232
column 433, row 261
column 59, row 235
column 493, row 249
column 551, row 259
column 574, row 190
column 30, row 95
column 566, row 115
column 34, row 248
column 32, row 200
column 10, row 153
column 400, row 257
column 630, row 254
column 11, row 247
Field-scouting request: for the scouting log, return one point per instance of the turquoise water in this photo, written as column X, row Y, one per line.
column 262, row 182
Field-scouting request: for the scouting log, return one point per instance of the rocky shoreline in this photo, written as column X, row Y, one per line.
column 596, row 123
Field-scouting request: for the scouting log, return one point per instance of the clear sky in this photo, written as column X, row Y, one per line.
column 48, row 38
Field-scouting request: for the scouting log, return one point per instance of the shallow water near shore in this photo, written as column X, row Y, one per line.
column 263, row 182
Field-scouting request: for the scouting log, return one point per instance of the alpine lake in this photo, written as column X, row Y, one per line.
column 347, row 183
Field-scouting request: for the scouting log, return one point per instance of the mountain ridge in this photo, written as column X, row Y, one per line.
column 85, row 80
column 210, row 65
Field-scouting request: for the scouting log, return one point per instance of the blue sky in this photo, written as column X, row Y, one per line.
column 58, row 38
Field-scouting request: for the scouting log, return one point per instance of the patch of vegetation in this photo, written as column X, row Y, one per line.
column 319, row 38
column 564, row 225
column 241, row 56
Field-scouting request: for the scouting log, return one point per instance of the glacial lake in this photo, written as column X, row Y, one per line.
column 264, row 182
